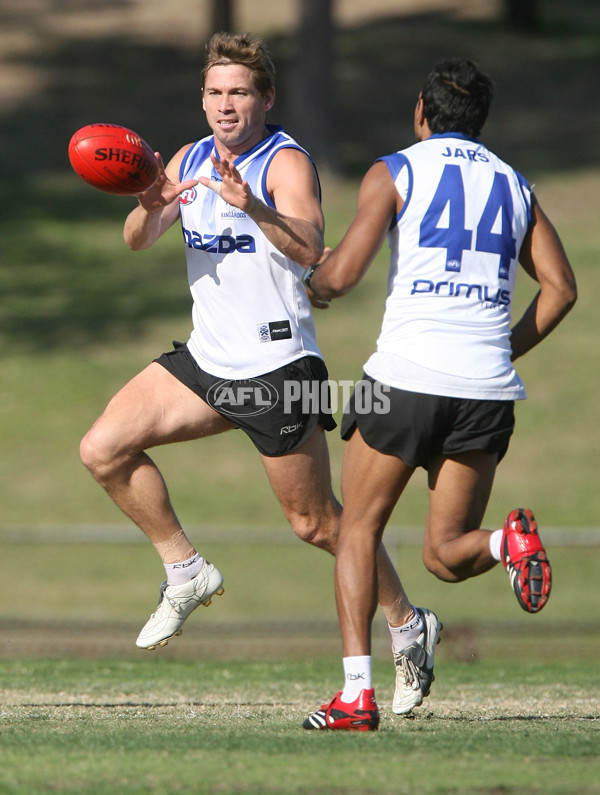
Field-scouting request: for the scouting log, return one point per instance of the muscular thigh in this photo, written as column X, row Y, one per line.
column 155, row 408
column 372, row 483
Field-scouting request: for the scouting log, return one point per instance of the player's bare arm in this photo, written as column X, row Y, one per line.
column 543, row 257
column 296, row 226
column 378, row 202
column 158, row 208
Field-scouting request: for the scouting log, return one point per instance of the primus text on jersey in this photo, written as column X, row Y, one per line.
column 461, row 289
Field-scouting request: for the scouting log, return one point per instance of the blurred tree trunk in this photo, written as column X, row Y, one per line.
column 311, row 101
column 221, row 15
column 522, row 14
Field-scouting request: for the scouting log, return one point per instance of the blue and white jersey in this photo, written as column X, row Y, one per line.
column 250, row 314
column 454, row 258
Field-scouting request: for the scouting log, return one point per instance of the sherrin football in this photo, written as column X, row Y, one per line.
column 113, row 159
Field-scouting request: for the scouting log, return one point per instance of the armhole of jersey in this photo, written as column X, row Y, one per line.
column 263, row 184
column 183, row 164
column 526, row 190
column 196, row 154
column 395, row 164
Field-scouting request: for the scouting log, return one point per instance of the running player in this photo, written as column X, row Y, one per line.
column 458, row 221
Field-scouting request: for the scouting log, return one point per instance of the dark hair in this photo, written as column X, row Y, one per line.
column 457, row 97
column 244, row 49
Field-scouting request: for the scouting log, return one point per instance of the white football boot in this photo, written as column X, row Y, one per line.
column 414, row 665
column 176, row 604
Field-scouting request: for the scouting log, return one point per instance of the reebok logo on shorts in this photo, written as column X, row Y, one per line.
column 277, row 330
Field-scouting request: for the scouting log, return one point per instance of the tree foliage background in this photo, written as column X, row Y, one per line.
column 348, row 75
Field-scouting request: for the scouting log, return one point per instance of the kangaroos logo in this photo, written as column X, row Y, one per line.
column 242, row 398
column 188, row 196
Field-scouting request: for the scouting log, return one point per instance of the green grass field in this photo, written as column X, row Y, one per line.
column 514, row 709
column 145, row 727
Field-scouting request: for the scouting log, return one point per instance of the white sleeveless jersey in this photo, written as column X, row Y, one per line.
column 454, row 251
column 250, row 313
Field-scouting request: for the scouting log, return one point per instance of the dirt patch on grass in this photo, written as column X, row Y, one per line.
column 467, row 705
column 281, row 640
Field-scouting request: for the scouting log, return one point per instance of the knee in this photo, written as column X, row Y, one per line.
column 320, row 531
column 90, row 453
column 439, row 564
column 96, row 455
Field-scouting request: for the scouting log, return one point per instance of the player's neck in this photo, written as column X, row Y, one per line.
column 228, row 151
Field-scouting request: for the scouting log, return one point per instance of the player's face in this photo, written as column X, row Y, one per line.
column 234, row 109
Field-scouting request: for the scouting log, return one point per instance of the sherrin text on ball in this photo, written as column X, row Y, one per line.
column 113, row 159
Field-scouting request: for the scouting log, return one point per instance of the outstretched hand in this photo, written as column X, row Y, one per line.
column 162, row 192
column 231, row 187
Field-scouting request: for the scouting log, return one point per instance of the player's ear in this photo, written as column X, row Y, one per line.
column 269, row 99
column 420, row 111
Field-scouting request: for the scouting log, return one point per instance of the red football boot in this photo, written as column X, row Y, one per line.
column 361, row 715
column 525, row 560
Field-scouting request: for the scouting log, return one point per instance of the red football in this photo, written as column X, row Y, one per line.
column 113, row 159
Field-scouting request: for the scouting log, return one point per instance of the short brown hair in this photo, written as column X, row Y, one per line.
column 244, row 49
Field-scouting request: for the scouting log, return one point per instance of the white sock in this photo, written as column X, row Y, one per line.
column 403, row 636
column 496, row 544
column 357, row 677
column 184, row 571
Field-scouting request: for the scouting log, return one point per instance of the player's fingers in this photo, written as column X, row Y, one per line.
column 187, row 185
column 215, row 185
column 318, row 303
column 324, row 255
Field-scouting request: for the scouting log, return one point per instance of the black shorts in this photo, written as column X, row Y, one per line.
column 278, row 410
column 418, row 426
